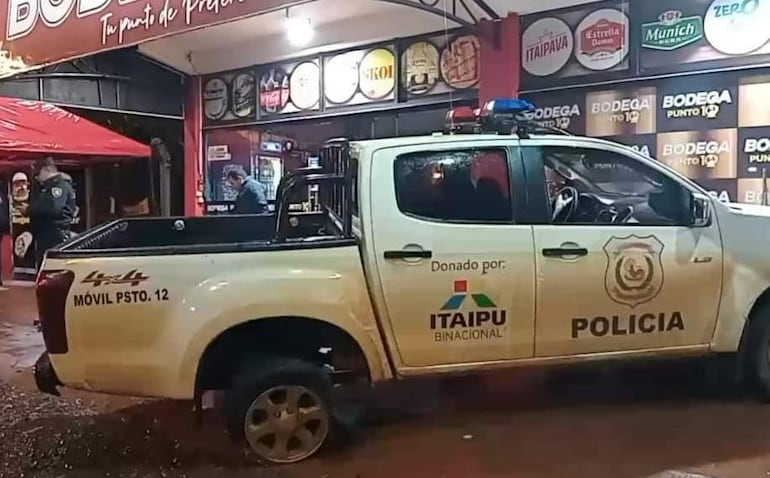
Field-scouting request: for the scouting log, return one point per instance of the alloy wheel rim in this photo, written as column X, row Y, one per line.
column 286, row 424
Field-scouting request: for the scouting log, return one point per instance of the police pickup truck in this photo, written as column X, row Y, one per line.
column 431, row 255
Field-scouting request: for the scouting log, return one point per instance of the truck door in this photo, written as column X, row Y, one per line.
column 618, row 267
column 456, row 272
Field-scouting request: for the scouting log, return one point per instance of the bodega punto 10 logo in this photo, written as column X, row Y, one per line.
column 705, row 104
column 559, row 116
column 621, row 112
column 700, row 154
column 756, row 151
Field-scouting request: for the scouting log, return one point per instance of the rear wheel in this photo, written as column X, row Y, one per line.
column 281, row 409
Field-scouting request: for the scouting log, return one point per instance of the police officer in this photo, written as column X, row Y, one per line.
column 251, row 194
column 5, row 221
column 52, row 209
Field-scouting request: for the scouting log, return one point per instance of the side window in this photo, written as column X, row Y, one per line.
column 468, row 185
column 594, row 186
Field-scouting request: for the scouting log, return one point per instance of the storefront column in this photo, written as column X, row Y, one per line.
column 193, row 149
column 500, row 63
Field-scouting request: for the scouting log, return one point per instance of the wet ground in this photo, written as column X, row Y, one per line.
column 629, row 422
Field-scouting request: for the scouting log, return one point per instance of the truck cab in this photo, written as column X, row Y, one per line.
column 494, row 249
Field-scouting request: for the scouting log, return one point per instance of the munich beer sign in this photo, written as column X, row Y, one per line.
column 41, row 32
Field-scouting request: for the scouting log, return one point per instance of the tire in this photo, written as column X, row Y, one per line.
column 281, row 408
column 756, row 354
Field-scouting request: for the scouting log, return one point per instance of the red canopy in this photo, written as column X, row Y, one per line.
column 31, row 129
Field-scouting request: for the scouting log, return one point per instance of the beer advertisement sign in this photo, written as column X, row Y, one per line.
column 645, row 144
column 292, row 87
column 691, row 34
column 230, row 97
column 575, row 42
column 441, row 65
column 751, row 191
column 754, row 155
column 696, row 104
column 754, row 98
column 710, row 154
column 723, row 190
column 563, row 110
column 602, row 39
column 359, row 77
column 623, row 112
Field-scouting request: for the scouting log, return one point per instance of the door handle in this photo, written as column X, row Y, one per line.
column 408, row 254
column 565, row 251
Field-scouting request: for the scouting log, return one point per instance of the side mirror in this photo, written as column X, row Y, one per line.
column 700, row 210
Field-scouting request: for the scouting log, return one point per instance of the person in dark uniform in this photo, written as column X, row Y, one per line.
column 5, row 221
column 251, row 194
column 52, row 209
column 5, row 212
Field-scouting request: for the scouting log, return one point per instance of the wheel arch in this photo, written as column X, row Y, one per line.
column 290, row 336
column 762, row 301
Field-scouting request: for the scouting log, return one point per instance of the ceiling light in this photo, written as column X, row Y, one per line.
column 299, row 31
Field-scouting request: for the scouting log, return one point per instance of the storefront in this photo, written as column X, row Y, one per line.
column 686, row 82
column 272, row 119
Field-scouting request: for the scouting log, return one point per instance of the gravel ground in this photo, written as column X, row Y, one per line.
column 50, row 437
column 504, row 431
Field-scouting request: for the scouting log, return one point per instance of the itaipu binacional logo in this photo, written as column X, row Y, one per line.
column 461, row 319
column 634, row 272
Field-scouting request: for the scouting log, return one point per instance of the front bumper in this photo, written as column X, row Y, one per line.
column 45, row 376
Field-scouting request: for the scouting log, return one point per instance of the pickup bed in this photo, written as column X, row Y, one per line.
column 438, row 254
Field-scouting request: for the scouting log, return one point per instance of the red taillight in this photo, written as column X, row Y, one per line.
column 52, row 290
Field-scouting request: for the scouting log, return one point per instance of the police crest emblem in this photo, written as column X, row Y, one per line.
column 56, row 192
column 634, row 272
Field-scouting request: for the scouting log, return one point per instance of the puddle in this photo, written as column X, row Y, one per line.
column 20, row 346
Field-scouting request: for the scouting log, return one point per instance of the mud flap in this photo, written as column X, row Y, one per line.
column 45, row 376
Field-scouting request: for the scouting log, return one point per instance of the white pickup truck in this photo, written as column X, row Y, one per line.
column 435, row 254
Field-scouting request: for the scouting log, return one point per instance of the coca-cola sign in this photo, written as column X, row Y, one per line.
column 39, row 32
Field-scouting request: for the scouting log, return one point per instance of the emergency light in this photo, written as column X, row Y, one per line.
column 507, row 107
column 499, row 116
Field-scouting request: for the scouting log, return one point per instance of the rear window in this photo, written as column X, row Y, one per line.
column 466, row 185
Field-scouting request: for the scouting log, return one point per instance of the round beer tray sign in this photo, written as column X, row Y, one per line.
column 602, row 39
column 737, row 27
column 215, row 99
column 377, row 74
column 420, row 68
column 341, row 77
column 461, row 62
column 274, row 90
column 305, row 85
column 244, row 95
column 546, row 47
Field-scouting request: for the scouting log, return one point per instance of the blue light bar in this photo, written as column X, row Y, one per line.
column 508, row 106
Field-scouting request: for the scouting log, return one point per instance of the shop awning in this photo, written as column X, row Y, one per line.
column 30, row 129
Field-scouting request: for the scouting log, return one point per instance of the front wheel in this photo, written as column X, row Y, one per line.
column 281, row 409
column 756, row 357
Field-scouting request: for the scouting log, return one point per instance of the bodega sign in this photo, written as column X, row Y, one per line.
column 704, row 104
column 48, row 31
